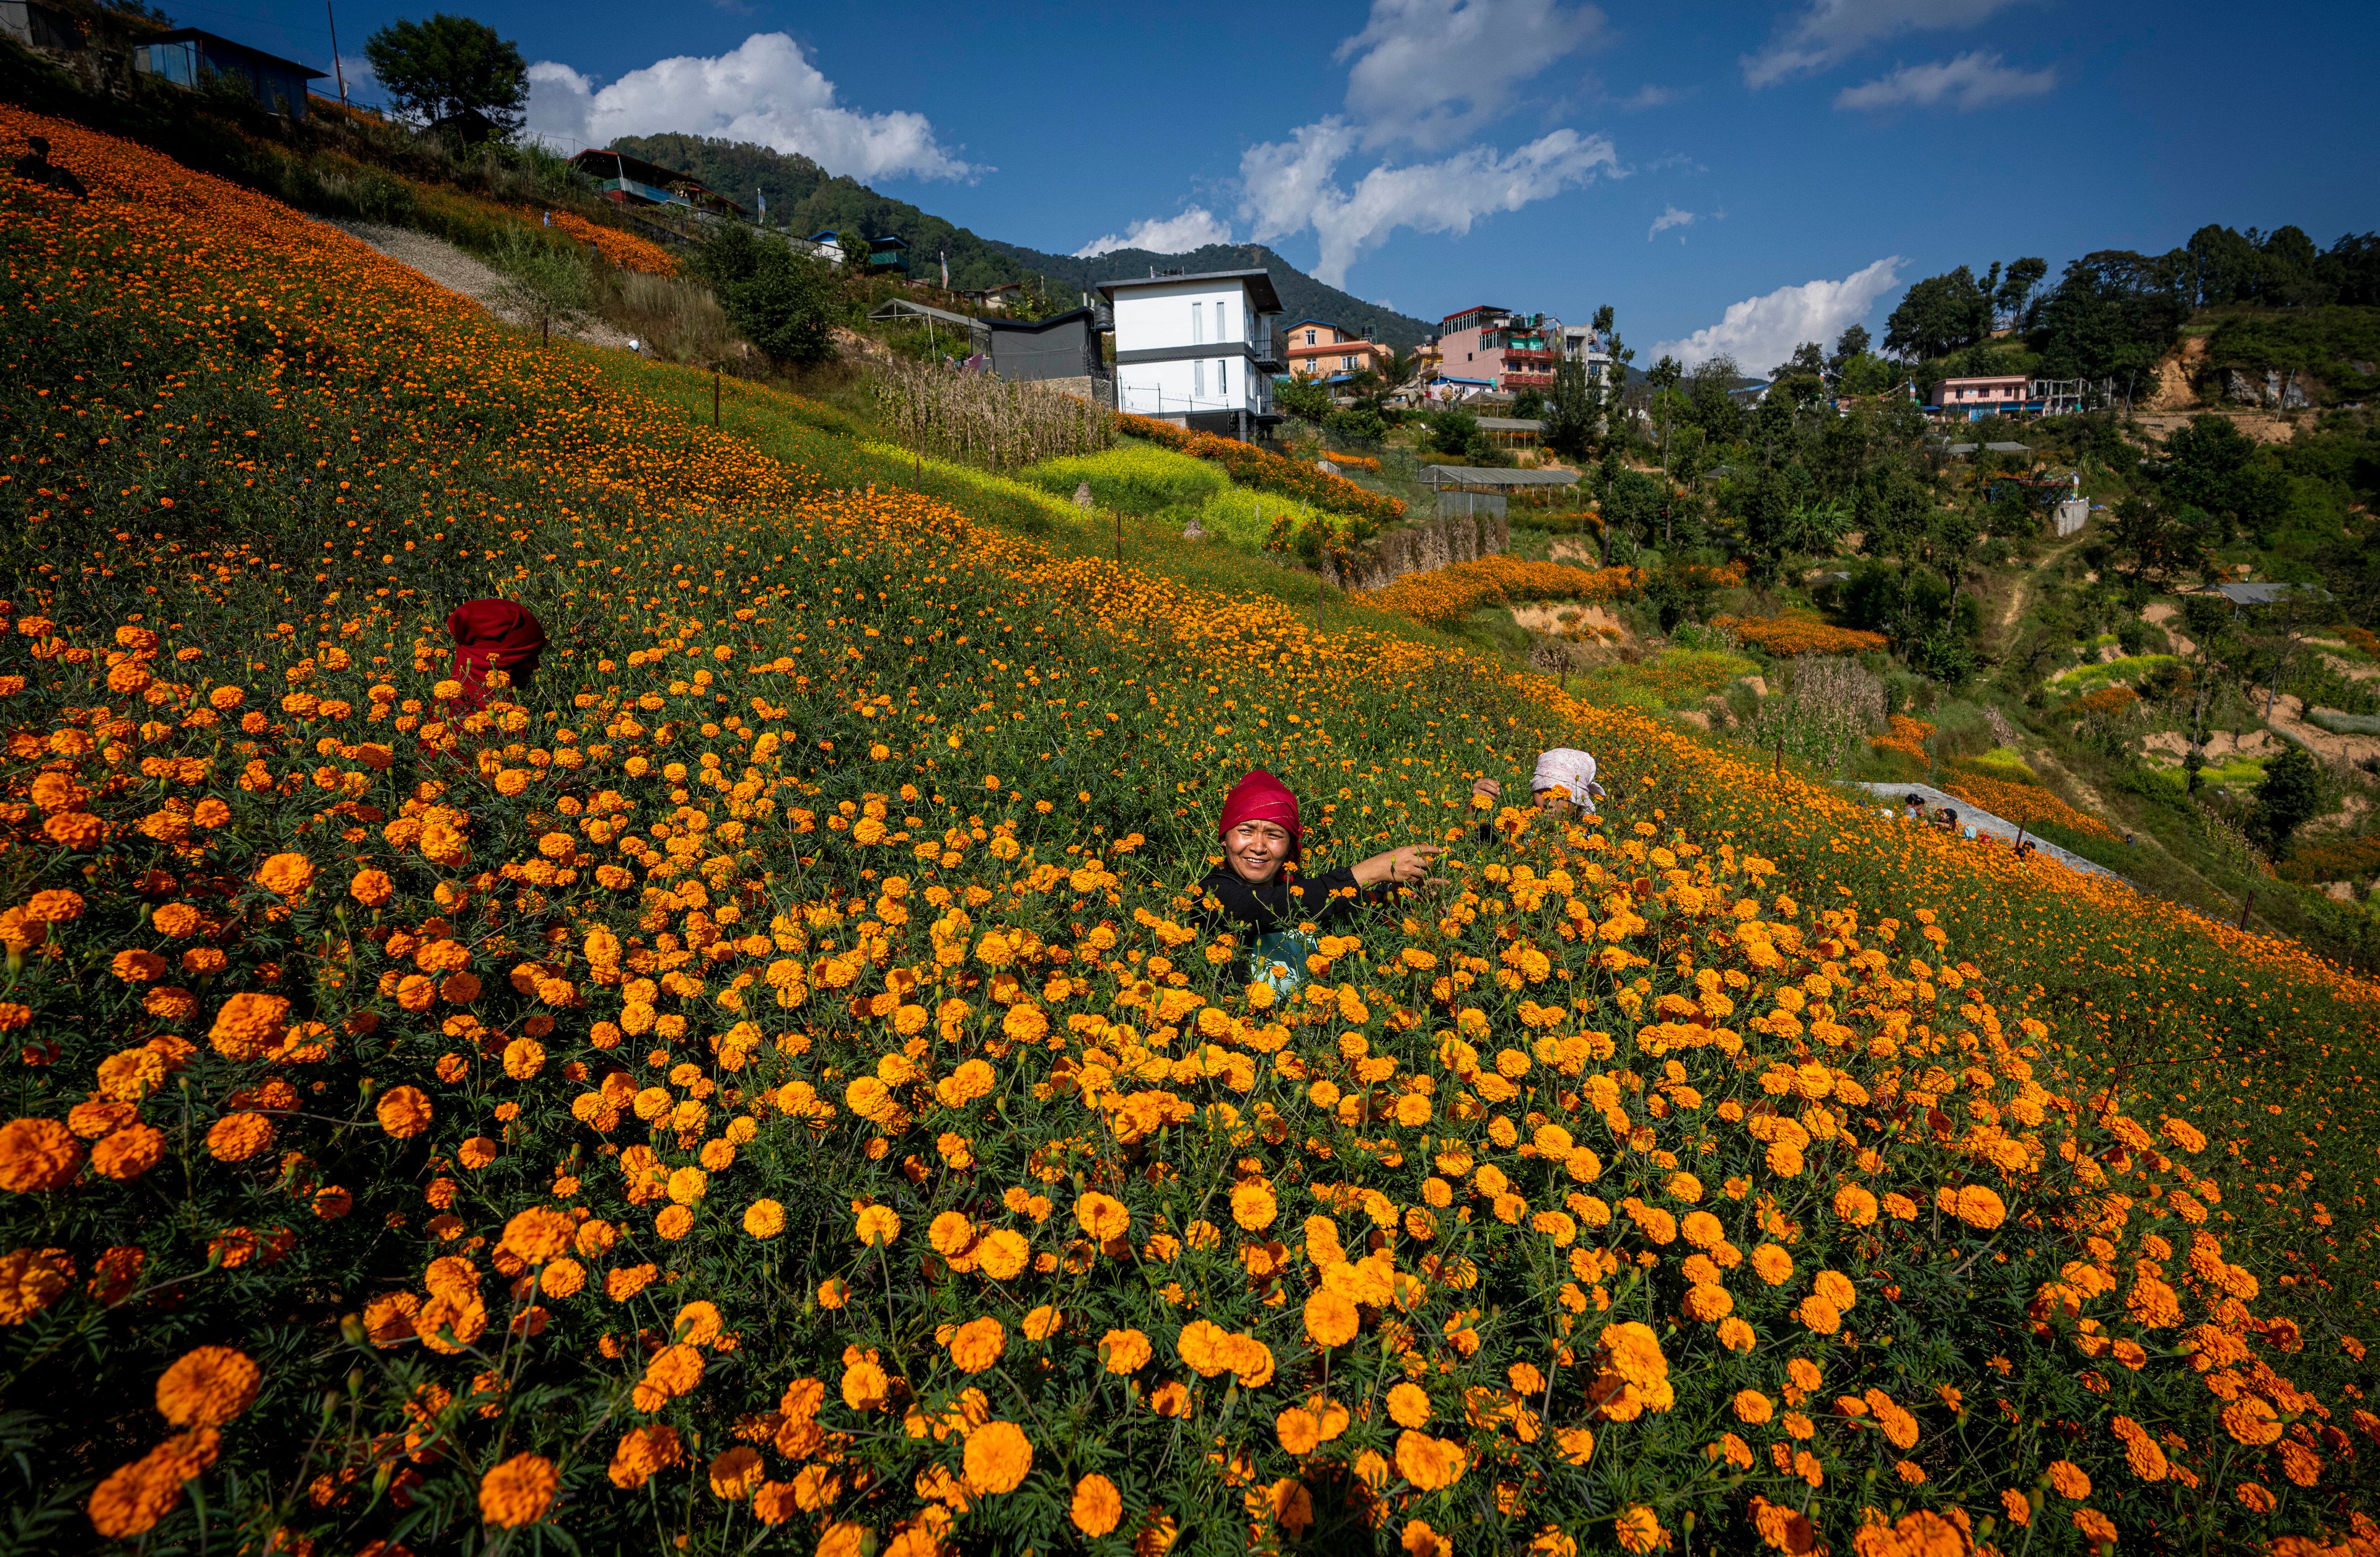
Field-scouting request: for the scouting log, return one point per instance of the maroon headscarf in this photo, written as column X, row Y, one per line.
column 1262, row 798
column 493, row 633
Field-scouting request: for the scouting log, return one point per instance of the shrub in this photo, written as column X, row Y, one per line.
column 782, row 303
column 1799, row 635
column 1135, row 477
column 1252, row 467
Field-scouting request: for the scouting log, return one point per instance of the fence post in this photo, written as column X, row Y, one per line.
column 2245, row 904
column 714, row 398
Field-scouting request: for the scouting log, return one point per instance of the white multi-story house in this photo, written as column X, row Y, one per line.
column 1197, row 349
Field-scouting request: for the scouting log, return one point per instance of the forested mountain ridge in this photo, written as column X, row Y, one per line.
column 801, row 194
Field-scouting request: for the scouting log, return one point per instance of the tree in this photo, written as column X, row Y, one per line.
column 1302, row 398
column 1710, row 399
column 2112, row 315
column 1940, row 315
column 1570, row 414
column 448, row 64
column 2214, row 467
column 1529, row 405
column 2288, row 797
column 782, row 303
column 2016, row 287
column 1852, row 342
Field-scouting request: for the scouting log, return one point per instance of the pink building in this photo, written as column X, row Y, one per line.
column 1975, row 398
column 1489, row 348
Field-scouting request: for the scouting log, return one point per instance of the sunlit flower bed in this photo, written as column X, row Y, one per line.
column 1799, row 635
column 1451, row 594
column 626, row 250
column 767, row 1082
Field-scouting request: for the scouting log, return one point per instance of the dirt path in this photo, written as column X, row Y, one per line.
column 2024, row 585
column 459, row 271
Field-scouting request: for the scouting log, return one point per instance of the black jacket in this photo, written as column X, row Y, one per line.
column 1285, row 902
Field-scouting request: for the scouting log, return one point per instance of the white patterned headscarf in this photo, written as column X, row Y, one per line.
column 1567, row 769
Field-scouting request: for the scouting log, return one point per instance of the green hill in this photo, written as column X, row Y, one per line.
column 805, row 197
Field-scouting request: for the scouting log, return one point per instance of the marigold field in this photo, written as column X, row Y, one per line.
column 765, row 1085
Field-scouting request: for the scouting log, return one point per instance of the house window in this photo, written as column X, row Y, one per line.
column 1348, row 363
column 1198, row 376
column 1309, row 337
column 1223, row 379
column 1197, row 323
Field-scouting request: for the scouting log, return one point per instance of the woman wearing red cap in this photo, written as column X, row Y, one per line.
column 1257, row 889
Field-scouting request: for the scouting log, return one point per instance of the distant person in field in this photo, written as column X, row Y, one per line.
column 494, row 635
column 1260, row 890
column 1562, row 784
column 35, row 167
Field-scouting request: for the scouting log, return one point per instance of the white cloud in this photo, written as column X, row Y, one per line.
column 1670, row 217
column 1968, row 82
column 1649, row 96
column 767, row 90
column 1287, row 187
column 1760, row 331
column 1432, row 71
column 1826, row 33
column 1195, row 228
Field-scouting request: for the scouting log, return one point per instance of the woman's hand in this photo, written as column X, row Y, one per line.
column 1487, row 787
column 1406, row 867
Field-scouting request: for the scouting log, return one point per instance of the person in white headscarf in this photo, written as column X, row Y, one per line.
column 1564, row 780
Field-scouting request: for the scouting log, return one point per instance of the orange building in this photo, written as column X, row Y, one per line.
column 1319, row 350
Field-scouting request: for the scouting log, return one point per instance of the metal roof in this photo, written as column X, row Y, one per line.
column 1510, row 424
column 1491, row 475
column 1259, row 282
column 216, row 40
column 2261, row 593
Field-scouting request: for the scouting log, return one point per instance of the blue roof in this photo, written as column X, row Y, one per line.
column 1328, row 323
column 1449, row 378
column 827, row 236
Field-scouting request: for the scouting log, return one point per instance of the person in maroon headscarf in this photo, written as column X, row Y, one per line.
column 494, row 635
column 1257, row 888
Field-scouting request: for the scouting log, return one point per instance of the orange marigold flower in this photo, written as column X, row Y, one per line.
column 735, row 1472
column 285, row 874
column 2256, row 1497
column 1331, row 1319
column 764, row 1219
column 1253, row 1206
column 518, row 1492
column 1638, row 1530
column 2069, row 1479
column 30, row 1280
column 1430, row 1464
column 403, row 1111
column 235, row 1138
column 1102, row 1216
column 1409, row 1404
column 1096, row 1506
column 539, row 1233
column 249, row 1026
column 372, row 888
column 997, row 1457
column 978, row 1343
column 675, row 1370
column 1126, row 1351
column 138, row 968
column 207, row 1387
column 642, row 1451
column 134, row 1497
column 37, row 1155
column 878, row 1224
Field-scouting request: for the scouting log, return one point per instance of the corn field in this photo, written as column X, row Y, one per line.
column 978, row 417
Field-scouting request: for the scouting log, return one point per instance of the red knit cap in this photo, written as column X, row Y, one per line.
column 1262, row 798
column 494, row 634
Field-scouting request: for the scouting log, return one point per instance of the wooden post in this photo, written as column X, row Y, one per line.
column 1778, row 771
column 2245, row 904
column 714, row 395
column 1119, row 537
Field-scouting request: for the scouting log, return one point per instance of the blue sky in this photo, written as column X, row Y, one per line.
column 1728, row 177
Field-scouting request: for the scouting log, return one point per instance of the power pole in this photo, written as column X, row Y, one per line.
column 336, row 68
